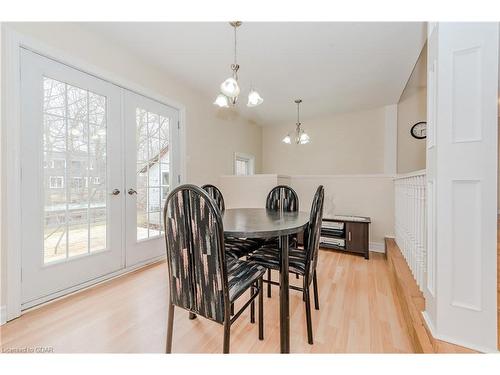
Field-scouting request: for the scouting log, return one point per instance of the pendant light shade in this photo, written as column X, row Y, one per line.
column 254, row 99
column 222, row 101
column 287, row 139
column 304, row 138
column 230, row 87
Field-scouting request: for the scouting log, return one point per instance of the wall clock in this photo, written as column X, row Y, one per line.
column 419, row 130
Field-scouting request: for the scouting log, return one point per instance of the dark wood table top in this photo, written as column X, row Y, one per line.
column 262, row 223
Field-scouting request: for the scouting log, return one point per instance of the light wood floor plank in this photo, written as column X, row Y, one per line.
column 358, row 314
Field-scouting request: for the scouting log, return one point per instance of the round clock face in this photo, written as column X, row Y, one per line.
column 419, row 130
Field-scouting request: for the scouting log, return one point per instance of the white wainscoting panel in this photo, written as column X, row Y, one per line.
column 467, row 95
column 466, row 236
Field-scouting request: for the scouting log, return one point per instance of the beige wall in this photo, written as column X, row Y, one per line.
column 412, row 108
column 348, row 143
column 212, row 135
column 249, row 191
column 411, row 151
column 346, row 155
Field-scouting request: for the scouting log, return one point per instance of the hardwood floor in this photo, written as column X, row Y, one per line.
column 359, row 314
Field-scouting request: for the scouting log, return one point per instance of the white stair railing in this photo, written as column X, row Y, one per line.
column 410, row 227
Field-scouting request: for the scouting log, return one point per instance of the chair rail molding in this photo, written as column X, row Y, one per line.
column 461, row 281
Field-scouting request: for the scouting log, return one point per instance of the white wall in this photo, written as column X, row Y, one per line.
column 347, row 143
column 212, row 135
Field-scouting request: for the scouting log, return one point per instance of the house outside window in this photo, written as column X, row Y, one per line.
column 56, row 182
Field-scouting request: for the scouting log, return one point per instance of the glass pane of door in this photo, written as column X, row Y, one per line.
column 74, row 170
column 152, row 171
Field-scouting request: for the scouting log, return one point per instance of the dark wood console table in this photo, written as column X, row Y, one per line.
column 346, row 233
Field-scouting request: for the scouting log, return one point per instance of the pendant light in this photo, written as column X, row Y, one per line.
column 229, row 89
column 301, row 137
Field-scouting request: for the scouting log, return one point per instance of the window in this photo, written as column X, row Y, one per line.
column 56, row 182
column 74, row 134
column 153, row 171
column 78, row 183
column 243, row 164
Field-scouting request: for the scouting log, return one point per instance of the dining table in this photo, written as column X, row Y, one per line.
column 264, row 223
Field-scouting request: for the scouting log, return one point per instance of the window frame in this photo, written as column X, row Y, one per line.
column 248, row 158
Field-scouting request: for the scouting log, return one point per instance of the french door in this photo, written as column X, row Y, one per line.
column 151, row 170
column 97, row 163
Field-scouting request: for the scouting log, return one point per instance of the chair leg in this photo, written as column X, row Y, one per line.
column 192, row 316
column 170, row 327
column 269, row 284
column 252, row 306
column 315, row 289
column 261, row 309
column 227, row 336
column 308, row 316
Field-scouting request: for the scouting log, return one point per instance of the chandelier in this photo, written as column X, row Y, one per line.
column 300, row 137
column 229, row 89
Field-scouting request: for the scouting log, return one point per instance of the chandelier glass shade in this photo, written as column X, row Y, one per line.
column 229, row 89
column 300, row 136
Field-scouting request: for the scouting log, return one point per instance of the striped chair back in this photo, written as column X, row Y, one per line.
column 312, row 234
column 282, row 198
column 194, row 239
column 216, row 195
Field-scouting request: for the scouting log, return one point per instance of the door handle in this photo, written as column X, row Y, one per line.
column 115, row 192
column 349, row 237
column 131, row 191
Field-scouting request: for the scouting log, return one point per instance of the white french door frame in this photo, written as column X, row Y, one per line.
column 11, row 229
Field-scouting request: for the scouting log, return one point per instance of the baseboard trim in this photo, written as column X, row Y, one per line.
column 377, row 247
column 3, row 315
column 432, row 330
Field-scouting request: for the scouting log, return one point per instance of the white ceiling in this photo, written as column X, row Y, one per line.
column 333, row 66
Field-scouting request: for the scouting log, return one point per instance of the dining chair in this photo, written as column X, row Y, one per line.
column 280, row 198
column 202, row 279
column 301, row 262
column 236, row 247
